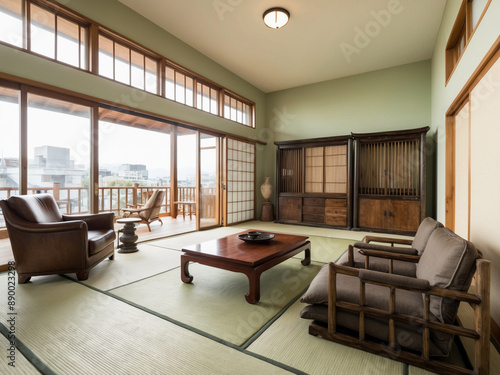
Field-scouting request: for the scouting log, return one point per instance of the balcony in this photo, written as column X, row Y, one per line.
column 74, row 200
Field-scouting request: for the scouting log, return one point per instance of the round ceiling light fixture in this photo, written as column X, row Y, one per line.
column 276, row 18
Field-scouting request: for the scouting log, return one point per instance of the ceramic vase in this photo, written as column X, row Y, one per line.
column 266, row 189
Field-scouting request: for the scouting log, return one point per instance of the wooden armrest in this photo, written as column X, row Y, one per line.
column 388, row 279
column 390, row 255
column 391, row 240
column 134, row 206
column 391, row 249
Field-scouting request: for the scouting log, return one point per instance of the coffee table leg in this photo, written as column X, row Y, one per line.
column 253, row 295
column 185, row 276
column 307, row 259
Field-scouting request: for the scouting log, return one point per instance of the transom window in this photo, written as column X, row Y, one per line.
column 51, row 30
column 468, row 18
column 237, row 110
column 124, row 64
column 51, row 33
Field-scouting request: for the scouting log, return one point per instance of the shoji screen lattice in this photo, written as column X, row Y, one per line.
column 240, row 181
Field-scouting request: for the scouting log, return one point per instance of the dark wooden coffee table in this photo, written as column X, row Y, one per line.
column 251, row 258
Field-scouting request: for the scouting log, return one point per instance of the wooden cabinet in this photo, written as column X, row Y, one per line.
column 336, row 212
column 315, row 175
column 389, row 186
column 371, row 181
column 389, row 214
column 290, row 209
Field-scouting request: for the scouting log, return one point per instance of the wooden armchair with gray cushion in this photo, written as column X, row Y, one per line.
column 148, row 212
column 414, row 314
column 376, row 244
column 45, row 242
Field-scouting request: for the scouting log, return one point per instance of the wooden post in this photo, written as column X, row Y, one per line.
column 482, row 318
column 332, row 299
column 134, row 194
column 173, row 172
column 56, row 192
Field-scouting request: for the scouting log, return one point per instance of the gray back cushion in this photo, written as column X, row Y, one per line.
column 424, row 231
column 447, row 262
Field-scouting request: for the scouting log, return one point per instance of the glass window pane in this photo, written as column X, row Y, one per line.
column 43, row 36
column 169, row 83
column 106, row 57
column 68, row 43
column 9, row 144
column 189, row 91
column 477, row 11
column 151, row 75
column 180, row 87
column 122, row 64
column 59, row 151
column 83, row 47
column 120, row 169
column 137, row 67
column 11, row 22
column 214, row 101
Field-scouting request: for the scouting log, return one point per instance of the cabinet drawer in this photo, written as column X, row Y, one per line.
column 335, row 203
column 335, row 211
column 313, row 218
column 336, row 220
column 314, row 202
column 313, row 210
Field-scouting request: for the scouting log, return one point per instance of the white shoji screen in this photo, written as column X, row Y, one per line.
column 240, row 181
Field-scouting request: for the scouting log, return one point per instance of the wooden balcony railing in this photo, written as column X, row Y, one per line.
column 75, row 200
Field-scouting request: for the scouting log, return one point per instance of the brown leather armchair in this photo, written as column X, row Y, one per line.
column 46, row 242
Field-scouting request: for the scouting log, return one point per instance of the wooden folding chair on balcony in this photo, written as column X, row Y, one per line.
column 148, row 212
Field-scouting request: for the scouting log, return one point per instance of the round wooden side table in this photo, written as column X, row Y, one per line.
column 128, row 237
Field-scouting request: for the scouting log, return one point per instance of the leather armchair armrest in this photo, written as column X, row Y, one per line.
column 387, row 279
column 103, row 220
column 392, row 249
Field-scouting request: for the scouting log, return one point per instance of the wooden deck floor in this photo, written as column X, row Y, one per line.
column 170, row 227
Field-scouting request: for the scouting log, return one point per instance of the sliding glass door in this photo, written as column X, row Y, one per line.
column 208, row 181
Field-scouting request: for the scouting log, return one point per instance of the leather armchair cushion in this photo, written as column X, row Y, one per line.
column 41, row 209
column 99, row 239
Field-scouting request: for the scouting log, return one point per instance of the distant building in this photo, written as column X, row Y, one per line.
column 53, row 164
column 133, row 172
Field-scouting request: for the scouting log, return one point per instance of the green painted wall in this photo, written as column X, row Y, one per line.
column 389, row 99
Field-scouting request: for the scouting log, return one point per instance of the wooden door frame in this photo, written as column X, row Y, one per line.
column 463, row 96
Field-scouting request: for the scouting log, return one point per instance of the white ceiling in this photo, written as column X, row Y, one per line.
column 324, row 39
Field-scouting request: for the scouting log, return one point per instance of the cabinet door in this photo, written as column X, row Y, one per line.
column 290, row 209
column 371, row 213
column 404, row 215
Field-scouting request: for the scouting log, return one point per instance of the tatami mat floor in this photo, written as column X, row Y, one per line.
column 97, row 326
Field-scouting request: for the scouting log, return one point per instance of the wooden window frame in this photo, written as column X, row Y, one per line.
column 239, row 100
column 94, row 30
column 460, row 36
